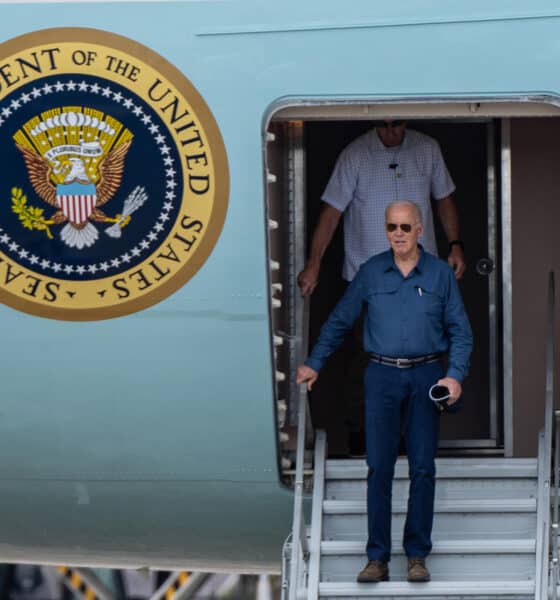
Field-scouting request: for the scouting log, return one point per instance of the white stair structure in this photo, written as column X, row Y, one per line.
column 484, row 537
column 496, row 528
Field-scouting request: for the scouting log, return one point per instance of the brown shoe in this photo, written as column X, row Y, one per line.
column 417, row 570
column 374, row 572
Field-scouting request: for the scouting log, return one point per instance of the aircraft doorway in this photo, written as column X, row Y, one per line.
column 470, row 150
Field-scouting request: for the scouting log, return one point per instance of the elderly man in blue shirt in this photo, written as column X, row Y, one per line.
column 385, row 164
column 414, row 315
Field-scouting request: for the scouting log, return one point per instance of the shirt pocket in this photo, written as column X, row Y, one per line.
column 382, row 301
column 415, row 182
column 416, row 171
column 429, row 302
column 420, row 165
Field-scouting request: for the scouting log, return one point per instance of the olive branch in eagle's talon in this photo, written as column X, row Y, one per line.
column 31, row 217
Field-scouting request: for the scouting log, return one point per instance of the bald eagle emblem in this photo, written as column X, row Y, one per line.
column 75, row 161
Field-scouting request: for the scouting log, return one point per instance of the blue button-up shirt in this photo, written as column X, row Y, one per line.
column 406, row 317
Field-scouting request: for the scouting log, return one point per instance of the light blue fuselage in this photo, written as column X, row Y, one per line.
column 151, row 439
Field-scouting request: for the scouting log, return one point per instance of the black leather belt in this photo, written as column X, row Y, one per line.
column 404, row 363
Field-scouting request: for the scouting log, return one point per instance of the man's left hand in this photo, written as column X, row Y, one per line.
column 456, row 260
column 454, row 387
column 306, row 375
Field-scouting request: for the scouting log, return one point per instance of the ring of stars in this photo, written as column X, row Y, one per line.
column 107, row 266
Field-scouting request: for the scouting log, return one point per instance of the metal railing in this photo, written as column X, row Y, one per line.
column 295, row 555
column 299, row 557
column 547, row 533
column 554, row 563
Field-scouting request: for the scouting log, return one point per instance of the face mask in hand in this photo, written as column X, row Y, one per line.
column 439, row 395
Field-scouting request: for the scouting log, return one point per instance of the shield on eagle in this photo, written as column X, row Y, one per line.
column 76, row 200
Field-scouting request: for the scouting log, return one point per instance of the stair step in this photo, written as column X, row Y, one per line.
column 455, row 468
column 489, row 525
column 467, row 489
column 443, row 567
column 494, row 505
column 505, row 590
column 479, row 546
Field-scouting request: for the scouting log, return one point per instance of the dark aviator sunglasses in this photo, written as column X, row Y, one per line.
column 406, row 227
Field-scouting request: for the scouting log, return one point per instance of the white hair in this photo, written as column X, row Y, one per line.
column 415, row 208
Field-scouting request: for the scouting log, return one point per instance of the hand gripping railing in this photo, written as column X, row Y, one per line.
column 547, row 564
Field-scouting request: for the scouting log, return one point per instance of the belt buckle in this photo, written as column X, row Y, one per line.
column 399, row 363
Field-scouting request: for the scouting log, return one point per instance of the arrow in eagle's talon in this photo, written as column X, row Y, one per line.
column 133, row 202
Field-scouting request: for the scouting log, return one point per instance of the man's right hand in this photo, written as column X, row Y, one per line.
column 328, row 221
column 306, row 374
column 307, row 280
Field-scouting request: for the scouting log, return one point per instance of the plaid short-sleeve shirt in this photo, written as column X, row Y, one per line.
column 368, row 176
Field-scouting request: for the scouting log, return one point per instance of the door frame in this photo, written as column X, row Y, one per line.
column 500, row 109
column 507, row 314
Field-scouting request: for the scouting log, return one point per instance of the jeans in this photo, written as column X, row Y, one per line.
column 397, row 399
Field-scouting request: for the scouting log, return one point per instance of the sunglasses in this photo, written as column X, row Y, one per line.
column 406, row 227
column 387, row 124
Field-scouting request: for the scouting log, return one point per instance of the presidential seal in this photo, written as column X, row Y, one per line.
column 115, row 179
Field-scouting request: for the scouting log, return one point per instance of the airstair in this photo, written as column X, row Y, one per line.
column 484, row 537
column 496, row 522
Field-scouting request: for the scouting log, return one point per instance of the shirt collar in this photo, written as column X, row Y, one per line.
column 389, row 261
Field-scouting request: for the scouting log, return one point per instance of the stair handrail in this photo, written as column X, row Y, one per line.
column 300, row 546
column 319, row 468
column 555, row 566
column 299, row 542
column 544, row 564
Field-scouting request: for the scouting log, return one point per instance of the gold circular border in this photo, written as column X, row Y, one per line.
column 217, row 147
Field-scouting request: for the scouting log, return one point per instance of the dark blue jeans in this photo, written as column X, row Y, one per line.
column 397, row 399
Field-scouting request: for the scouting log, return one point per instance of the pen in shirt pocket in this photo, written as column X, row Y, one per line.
column 419, row 291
